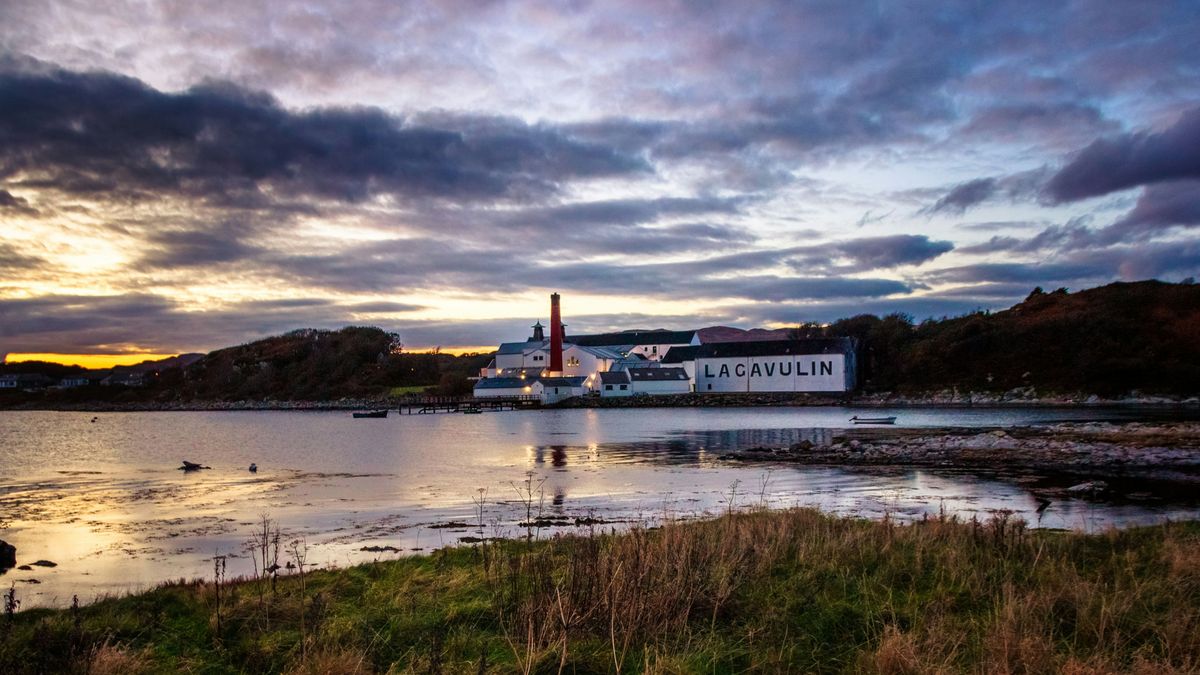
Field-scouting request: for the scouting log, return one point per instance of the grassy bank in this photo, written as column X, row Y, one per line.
column 792, row 591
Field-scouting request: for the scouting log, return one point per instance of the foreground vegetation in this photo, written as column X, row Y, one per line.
column 791, row 591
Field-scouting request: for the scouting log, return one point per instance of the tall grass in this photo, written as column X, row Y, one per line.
column 785, row 591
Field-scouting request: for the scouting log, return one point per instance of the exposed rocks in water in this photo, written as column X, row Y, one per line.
column 380, row 549
column 452, row 525
column 472, row 540
column 1168, row 448
column 44, row 563
column 8, row 555
column 192, row 466
column 1091, row 486
column 25, row 568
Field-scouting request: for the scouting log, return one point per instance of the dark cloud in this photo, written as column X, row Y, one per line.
column 13, row 261
column 892, row 251
column 965, row 195
column 12, row 203
column 101, row 132
column 224, row 243
column 1159, row 208
column 1072, row 235
column 1130, row 160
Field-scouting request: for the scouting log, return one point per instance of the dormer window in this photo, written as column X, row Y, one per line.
column 573, row 361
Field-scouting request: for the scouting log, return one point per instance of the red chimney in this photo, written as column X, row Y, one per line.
column 556, row 336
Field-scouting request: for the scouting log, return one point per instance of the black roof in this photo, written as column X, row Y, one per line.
column 657, row 374
column 634, row 337
column 680, row 354
column 614, row 377
column 716, row 350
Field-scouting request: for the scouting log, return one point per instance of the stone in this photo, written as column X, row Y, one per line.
column 8, row 555
column 45, row 563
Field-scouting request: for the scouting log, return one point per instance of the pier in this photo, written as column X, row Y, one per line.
column 429, row 405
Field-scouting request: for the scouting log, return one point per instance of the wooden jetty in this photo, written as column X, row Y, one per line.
column 429, row 405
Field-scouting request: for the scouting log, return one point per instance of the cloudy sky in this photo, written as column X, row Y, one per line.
column 181, row 176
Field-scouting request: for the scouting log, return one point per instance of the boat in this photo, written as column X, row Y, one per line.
column 472, row 411
column 372, row 413
column 873, row 420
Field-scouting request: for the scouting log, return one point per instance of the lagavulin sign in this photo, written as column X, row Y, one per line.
column 816, row 372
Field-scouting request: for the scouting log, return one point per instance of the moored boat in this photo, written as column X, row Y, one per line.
column 372, row 413
column 873, row 420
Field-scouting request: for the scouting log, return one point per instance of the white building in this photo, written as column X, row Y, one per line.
column 648, row 381
column 615, row 384
column 546, row 389
column 812, row 365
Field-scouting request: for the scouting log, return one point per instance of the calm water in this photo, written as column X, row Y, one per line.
column 105, row 501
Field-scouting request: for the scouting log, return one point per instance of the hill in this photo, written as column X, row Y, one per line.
column 1109, row 340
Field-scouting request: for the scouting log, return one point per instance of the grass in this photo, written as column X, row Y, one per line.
column 414, row 389
column 784, row 591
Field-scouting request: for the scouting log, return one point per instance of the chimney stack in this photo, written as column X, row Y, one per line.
column 556, row 336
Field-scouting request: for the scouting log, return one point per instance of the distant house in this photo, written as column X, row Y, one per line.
column 546, row 389
column 25, row 381
column 646, row 381
column 124, row 379
column 74, row 381
column 615, row 384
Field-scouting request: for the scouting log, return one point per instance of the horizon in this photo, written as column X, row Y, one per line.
column 174, row 179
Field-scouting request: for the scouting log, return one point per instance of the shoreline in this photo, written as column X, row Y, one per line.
column 482, row 608
column 1168, row 451
column 942, row 399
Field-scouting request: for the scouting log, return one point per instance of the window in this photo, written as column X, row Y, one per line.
column 572, row 361
column 654, row 349
column 624, row 387
column 710, row 386
column 608, row 387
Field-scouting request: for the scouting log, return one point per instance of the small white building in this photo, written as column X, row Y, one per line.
column 615, row 384
column 546, row 389
column 653, row 381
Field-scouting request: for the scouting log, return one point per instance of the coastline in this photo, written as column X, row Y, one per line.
column 1168, row 451
column 937, row 399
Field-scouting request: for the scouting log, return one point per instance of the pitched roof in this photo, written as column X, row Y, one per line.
column 634, row 338
column 657, row 374
column 716, row 350
column 562, row 381
column 502, row 383
column 614, row 377
column 680, row 354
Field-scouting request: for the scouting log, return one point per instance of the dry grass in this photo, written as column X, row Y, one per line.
column 789, row 591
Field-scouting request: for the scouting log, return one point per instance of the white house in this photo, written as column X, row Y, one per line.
column 615, row 384
column 546, row 389
column 647, row 381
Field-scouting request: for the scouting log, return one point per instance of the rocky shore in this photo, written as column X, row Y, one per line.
column 1163, row 450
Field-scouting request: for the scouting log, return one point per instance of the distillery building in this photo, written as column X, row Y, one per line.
column 551, row 365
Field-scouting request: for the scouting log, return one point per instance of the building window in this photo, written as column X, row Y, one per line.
column 624, row 387
column 710, row 386
column 654, row 349
column 572, row 361
column 608, row 387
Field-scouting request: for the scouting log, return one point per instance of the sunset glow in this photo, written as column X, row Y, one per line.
column 171, row 181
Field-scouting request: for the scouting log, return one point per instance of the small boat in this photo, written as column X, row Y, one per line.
column 873, row 420
column 372, row 413
column 472, row 411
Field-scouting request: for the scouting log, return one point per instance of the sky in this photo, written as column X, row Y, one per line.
column 181, row 176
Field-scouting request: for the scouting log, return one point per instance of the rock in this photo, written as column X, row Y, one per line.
column 25, row 568
column 45, row 563
column 8, row 555
column 380, row 549
column 1090, row 486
